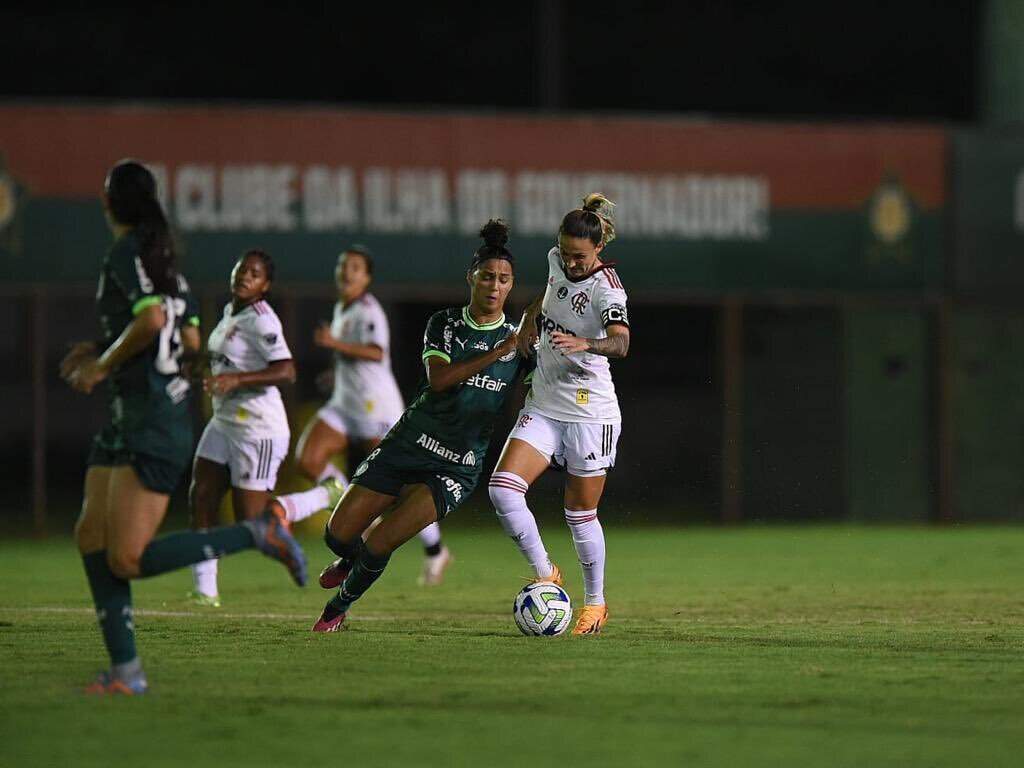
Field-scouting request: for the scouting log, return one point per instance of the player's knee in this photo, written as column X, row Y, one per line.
column 506, row 489
column 123, row 563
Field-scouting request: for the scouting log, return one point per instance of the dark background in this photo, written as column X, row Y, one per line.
column 906, row 60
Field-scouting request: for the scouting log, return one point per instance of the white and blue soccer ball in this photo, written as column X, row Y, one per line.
column 542, row 608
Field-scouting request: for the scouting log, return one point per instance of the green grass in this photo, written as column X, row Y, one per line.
column 759, row 646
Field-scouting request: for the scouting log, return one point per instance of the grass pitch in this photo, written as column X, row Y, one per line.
column 758, row 646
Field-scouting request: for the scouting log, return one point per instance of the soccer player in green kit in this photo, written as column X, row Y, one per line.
column 432, row 458
column 148, row 320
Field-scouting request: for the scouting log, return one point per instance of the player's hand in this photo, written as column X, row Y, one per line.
column 508, row 344
column 325, row 382
column 76, row 356
column 87, row 375
column 322, row 336
column 567, row 343
column 527, row 333
column 222, row 384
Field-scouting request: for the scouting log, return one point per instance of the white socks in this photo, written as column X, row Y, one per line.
column 204, row 576
column 299, row 506
column 332, row 471
column 508, row 494
column 588, row 538
column 431, row 535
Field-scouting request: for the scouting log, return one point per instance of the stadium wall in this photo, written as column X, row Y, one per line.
column 810, row 298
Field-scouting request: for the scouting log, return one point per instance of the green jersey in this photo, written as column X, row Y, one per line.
column 150, row 425
column 456, row 425
column 125, row 290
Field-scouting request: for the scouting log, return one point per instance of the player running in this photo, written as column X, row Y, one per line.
column 571, row 416
column 244, row 443
column 366, row 401
column 431, row 459
column 148, row 320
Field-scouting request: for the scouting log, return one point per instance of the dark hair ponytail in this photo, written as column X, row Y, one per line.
column 495, row 236
column 593, row 221
column 132, row 200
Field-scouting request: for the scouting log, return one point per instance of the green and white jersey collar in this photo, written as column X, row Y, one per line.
column 468, row 320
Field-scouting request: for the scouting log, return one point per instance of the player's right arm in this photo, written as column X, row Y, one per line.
column 136, row 337
column 442, row 373
column 527, row 330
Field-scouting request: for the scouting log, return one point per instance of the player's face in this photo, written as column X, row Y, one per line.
column 579, row 255
column 490, row 283
column 351, row 275
column 249, row 280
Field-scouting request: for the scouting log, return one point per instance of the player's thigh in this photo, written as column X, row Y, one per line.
column 414, row 511
column 323, row 437
column 210, row 481
column 91, row 527
column 134, row 514
column 583, row 493
column 521, row 458
column 358, row 508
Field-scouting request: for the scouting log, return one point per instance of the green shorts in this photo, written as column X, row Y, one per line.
column 160, row 465
column 394, row 464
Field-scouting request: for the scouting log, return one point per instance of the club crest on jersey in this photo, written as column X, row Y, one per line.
column 270, row 338
column 508, row 356
column 562, row 293
column 579, row 303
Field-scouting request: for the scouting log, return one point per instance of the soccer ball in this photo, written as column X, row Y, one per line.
column 542, row 608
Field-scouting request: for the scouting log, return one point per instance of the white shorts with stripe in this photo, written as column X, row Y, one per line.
column 583, row 449
column 358, row 426
column 253, row 462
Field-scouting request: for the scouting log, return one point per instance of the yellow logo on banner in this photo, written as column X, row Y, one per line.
column 582, row 397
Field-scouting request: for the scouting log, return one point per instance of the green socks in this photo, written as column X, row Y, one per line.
column 367, row 569
column 176, row 550
column 113, row 600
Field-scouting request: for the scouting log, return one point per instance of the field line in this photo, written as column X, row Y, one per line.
column 214, row 613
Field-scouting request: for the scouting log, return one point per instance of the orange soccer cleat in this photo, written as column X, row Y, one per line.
column 555, row 576
column 591, row 620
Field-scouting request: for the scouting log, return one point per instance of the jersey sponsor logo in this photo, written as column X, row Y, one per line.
column 562, row 293
column 582, row 397
column 453, row 487
column 481, row 345
column 484, row 381
column 579, row 303
column 469, row 459
column 549, row 325
column 616, row 313
column 432, row 445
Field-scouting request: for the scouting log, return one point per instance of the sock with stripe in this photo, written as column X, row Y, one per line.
column 588, row 538
column 430, row 537
column 299, row 506
column 113, row 600
column 176, row 550
column 508, row 494
column 204, row 577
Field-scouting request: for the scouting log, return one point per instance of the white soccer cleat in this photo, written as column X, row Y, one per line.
column 434, row 568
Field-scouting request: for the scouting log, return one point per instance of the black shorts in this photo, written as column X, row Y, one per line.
column 160, row 465
column 394, row 464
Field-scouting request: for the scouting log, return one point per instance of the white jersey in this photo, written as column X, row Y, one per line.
column 578, row 386
column 364, row 388
column 249, row 341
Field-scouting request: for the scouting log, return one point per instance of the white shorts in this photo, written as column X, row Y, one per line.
column 584, row 449
column 252, row 462
column 357, row 427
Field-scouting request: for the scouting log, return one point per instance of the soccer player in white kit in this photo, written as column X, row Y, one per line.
column 366, row 401
column 247, row 438
column 571, row 417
